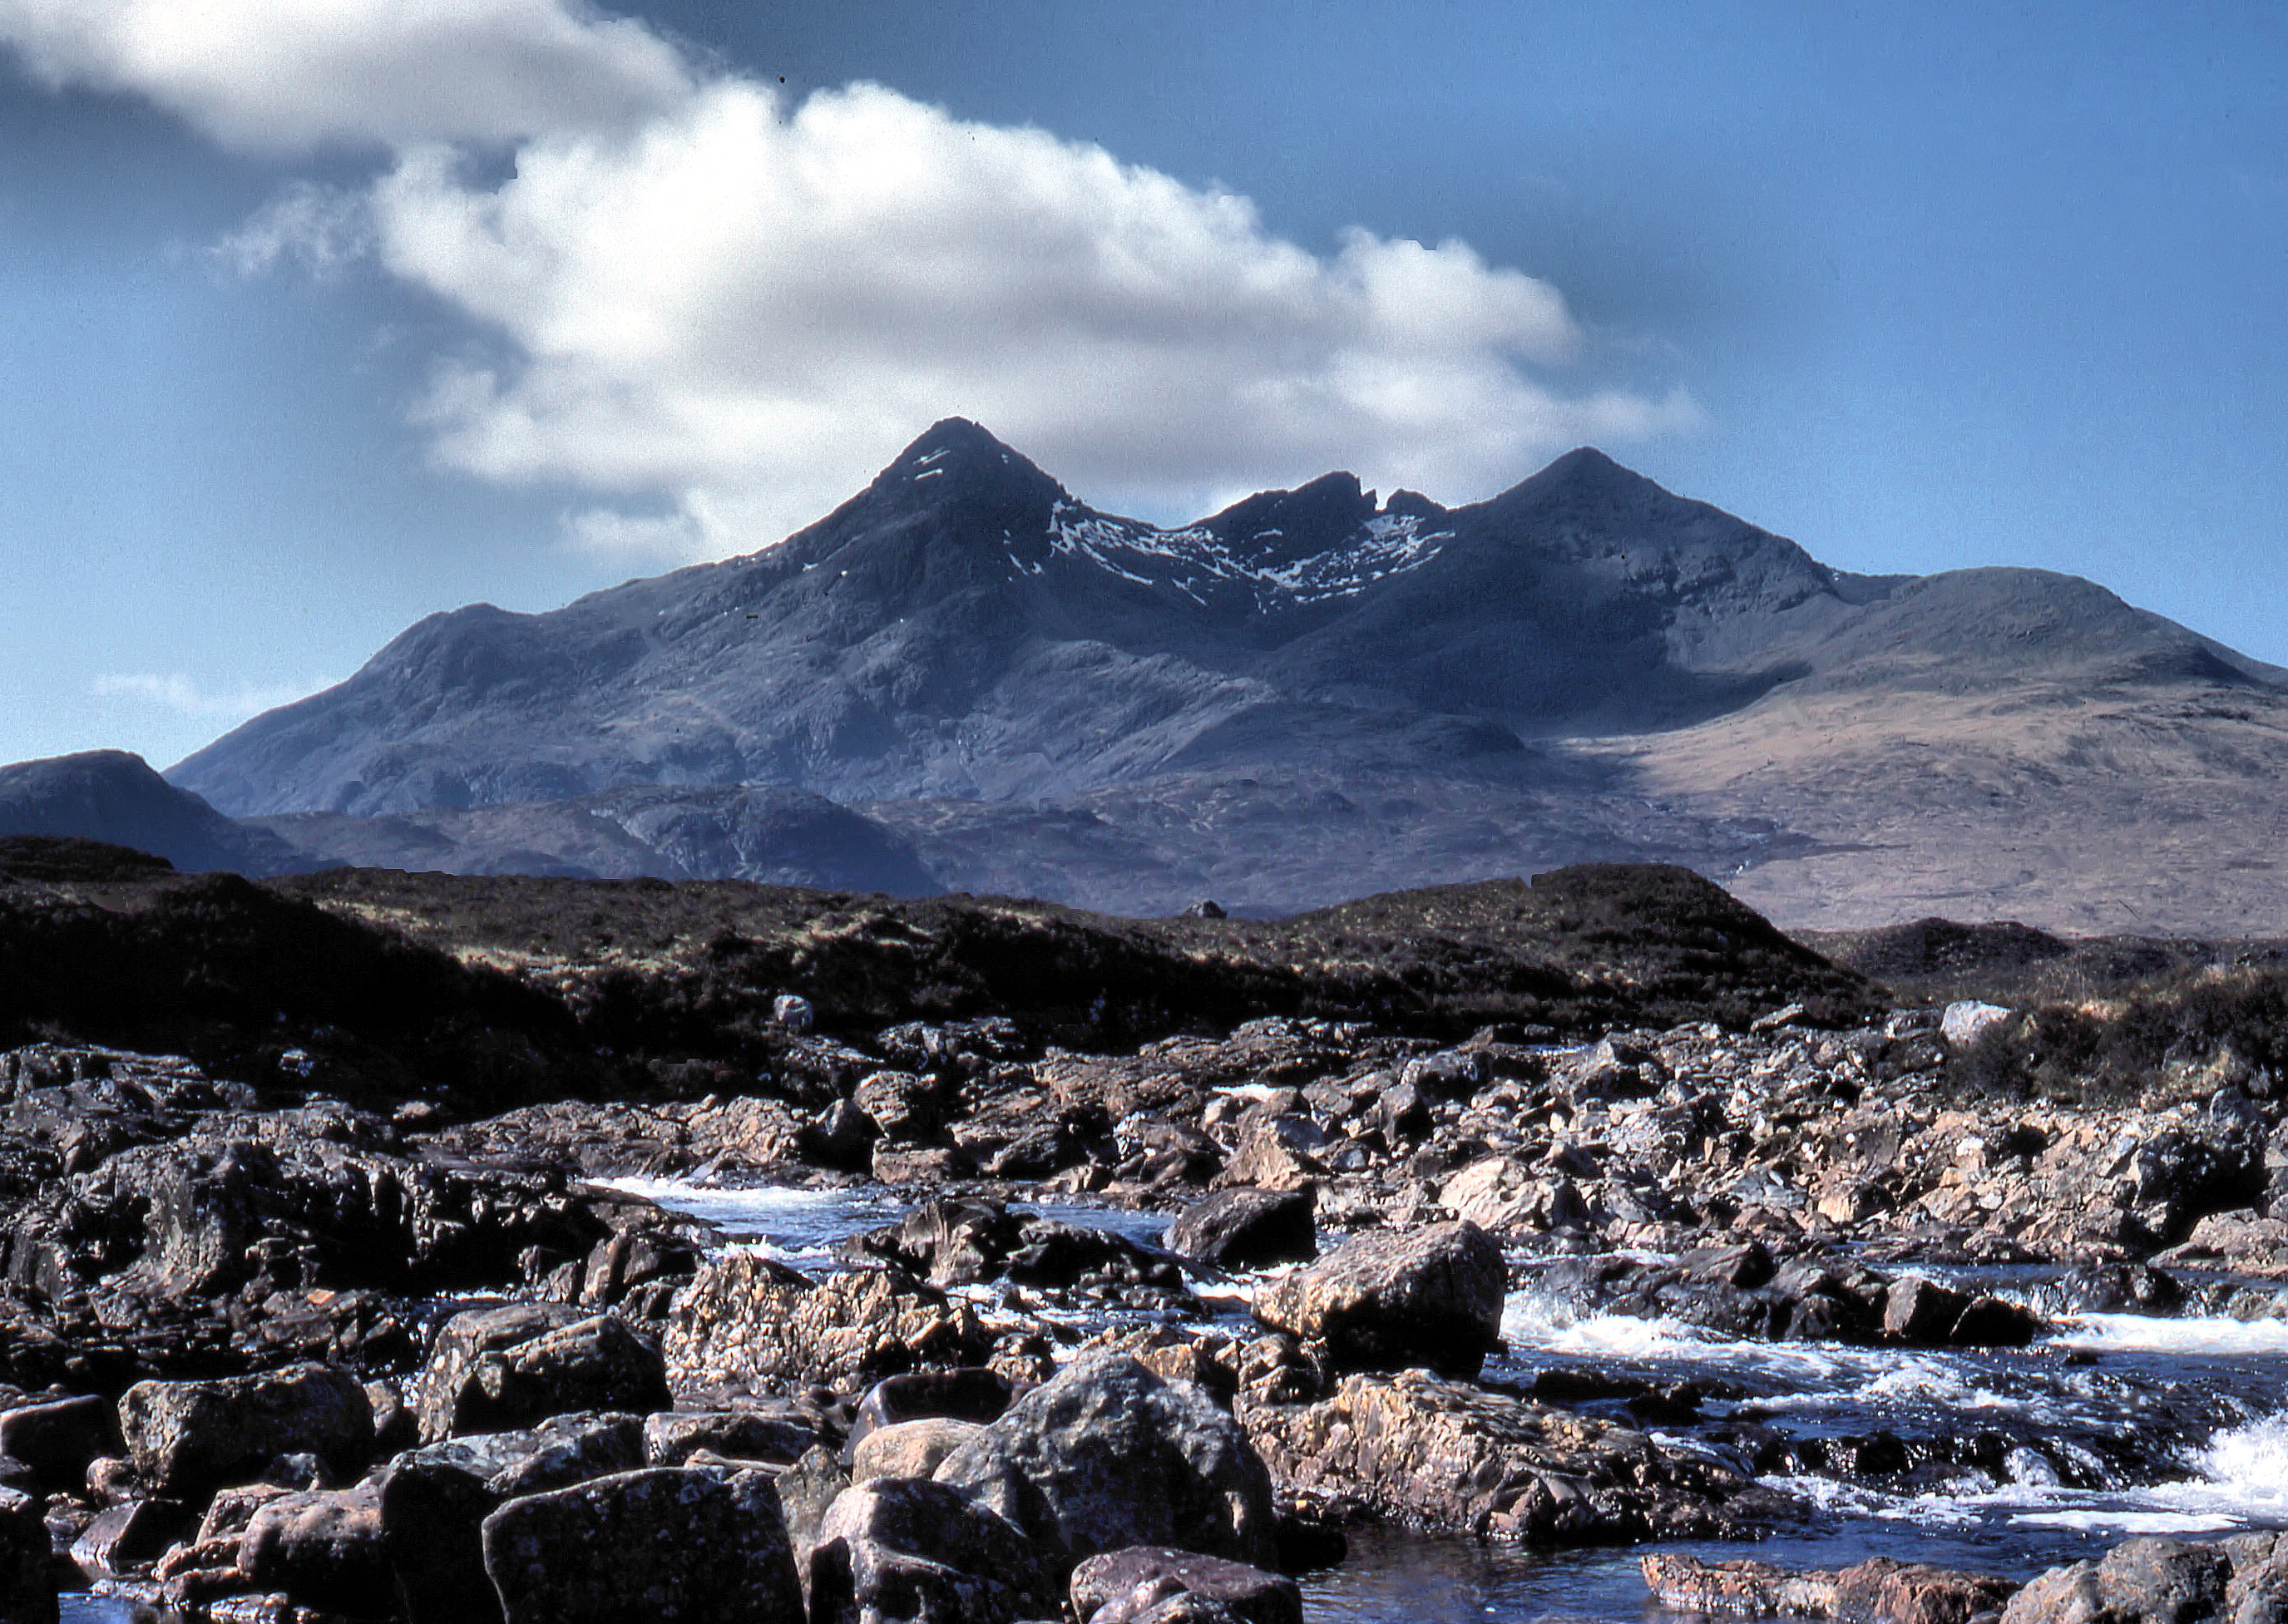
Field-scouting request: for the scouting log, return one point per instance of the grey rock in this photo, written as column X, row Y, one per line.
column 1126, row 1585
column 1247, row 1229
column 434, row 1502
column 1108, row 1454
column 124, row 1538
column 909, row 1448
column 807, row 1490
column 322, row 1548
column 747, row 1321
column 1383, row 1302
column 975, row 1393
column 671, row 1544
column 673, row 1437
column 2139, row 1581
column 906, row 1550
column 498, row 1369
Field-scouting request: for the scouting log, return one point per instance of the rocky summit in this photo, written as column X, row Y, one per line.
column 444, row 1248
column 967, row 679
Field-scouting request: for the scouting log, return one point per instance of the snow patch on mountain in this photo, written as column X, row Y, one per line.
column 1387, row 544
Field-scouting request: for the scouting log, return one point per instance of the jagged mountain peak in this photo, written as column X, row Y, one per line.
column 957, row 460
column 1585, row 478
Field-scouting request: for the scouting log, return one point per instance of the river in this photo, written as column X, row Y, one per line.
column 2116, row 1425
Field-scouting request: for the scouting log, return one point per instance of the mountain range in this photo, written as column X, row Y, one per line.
column 965, row 678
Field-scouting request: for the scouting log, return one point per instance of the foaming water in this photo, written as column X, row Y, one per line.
column 2118, row 1424
column 2198, row 1333
column 795, row 1226
column 2239, row 1480
column 800, row 1226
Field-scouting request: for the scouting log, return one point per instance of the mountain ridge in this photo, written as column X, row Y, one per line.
column 964, row 678
column 893, row 648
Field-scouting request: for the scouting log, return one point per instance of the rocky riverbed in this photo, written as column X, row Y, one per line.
column 937, row 1321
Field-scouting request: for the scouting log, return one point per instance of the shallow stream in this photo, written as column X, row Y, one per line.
column 2015, row 1461
column 2119, row 1424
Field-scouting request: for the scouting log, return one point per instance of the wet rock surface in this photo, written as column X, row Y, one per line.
column 253, row 1349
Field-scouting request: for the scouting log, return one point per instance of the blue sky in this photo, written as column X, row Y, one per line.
column 320, row 315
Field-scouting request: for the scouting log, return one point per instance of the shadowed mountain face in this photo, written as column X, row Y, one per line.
column 112, row 796
column 964, row 628
column 963, row 677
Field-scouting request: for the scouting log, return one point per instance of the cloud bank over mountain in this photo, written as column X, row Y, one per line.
column 716, row 306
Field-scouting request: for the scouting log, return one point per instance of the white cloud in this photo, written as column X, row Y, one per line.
column 636, row 538
column 695, row 294
column 322, row 229
column 177, row 692
column 756, row 306
column 281, row 76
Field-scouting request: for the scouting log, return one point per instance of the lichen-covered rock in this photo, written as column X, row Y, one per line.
column 188, row 1438
column 746, row 1321
column 1877, row 1591
column 1107, row 1455
column 1430, row 1296
column 501, row 1368
column 1124, row 1585
column 1445, row 1456
column 666, row 1545
column 902, row 1550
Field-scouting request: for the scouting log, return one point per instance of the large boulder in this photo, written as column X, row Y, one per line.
column 666, row 1545
column 1247, row 1229
column 1108, row 1454
column 1124, row 1585
column 188, row 1438
column 1384, row 1302
column 902, row 1548
column 502, row 1369
column 747, row 1322
column 954, row 1241
column 1450, row 1457
column 323, row 1549
column 434, row 1502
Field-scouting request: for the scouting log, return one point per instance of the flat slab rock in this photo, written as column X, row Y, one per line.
column 1429, row 1452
